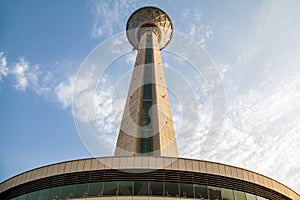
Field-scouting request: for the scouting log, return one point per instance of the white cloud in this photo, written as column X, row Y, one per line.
column 20, row 71
column 30, row 76
column 131, row 57
column 27, row 76
column 110, row 17
column 260, row 132
column 3, row 66
column 109, row 112
column 64, row 92
column 193, row 31
column 197, row 28
column 262, row 84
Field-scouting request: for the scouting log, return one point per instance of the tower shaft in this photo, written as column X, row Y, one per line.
column 147, row 125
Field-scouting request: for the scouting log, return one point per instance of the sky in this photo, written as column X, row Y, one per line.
column 254, row 46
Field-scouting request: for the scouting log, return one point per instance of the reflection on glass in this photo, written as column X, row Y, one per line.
column 200, row 191
column 137, row 188
column 43, row 194
column 67, row 192
column 125, row 188
column 32, row 195
column 95, row 189
column 239, row 195
column 141, row 188
column 81, row 190
column 156, row 188
column 250, row 196
column 186, row 190
column 110, row 188
column 171, row 189
column 54, row 193
column 227, row 194
column 22, row 197
column 214, row 193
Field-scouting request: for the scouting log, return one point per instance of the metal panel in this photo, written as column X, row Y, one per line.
column 54, row 170
column 188, row 165
column 145, row 162
column 74, row 165
column 209, row 167
column 115, row 163
column 245, row 175
column 94, row 164
column 202, row 167
column 175, row 165
column 240, row 173
column 87, row 165
column 130, row 162
column 68, row 167
column 195, row 166
column 159, row 162
column 234, row 172
column 152, row 162
column 256, row 179
column 181, row 164
column 222, row 170
column 80, row 165
column 61, row 168
column 228, row 171
column 108, row 163
column 123, row 162
column 215, row 168
column 138, row 162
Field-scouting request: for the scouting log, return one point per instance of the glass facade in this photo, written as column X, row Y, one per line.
column 138, row 188
column 146, row 132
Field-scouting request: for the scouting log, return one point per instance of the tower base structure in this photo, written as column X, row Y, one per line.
column 145, row 177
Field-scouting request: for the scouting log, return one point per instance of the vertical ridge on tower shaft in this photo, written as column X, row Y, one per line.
column 147, row 126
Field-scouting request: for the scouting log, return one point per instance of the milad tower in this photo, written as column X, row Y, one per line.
column 147, row 125
column 146, row 165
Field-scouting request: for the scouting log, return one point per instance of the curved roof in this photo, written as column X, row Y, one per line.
column 148, row 164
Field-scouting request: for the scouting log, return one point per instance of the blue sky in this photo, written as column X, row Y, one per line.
column 254, row 44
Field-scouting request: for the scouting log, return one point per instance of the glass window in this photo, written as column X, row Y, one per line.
column 22, row 197
column 239, row 195
column 96, row 189
column 250, row 196
column 149, row 56
column 140, row 188
column 149, row 38
column 227, row 194
column 146, row 145
column 81, row 190
column 110, row 188
column 33, row 195
column 200, row 191
column 147, row 95
column 67, row 192
column 54, row 193
column 43, row 194
column 156, row 189
column 214, row 193
column 186, row 190
column 148, row 79
column 171, row 189
column 125, row 188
